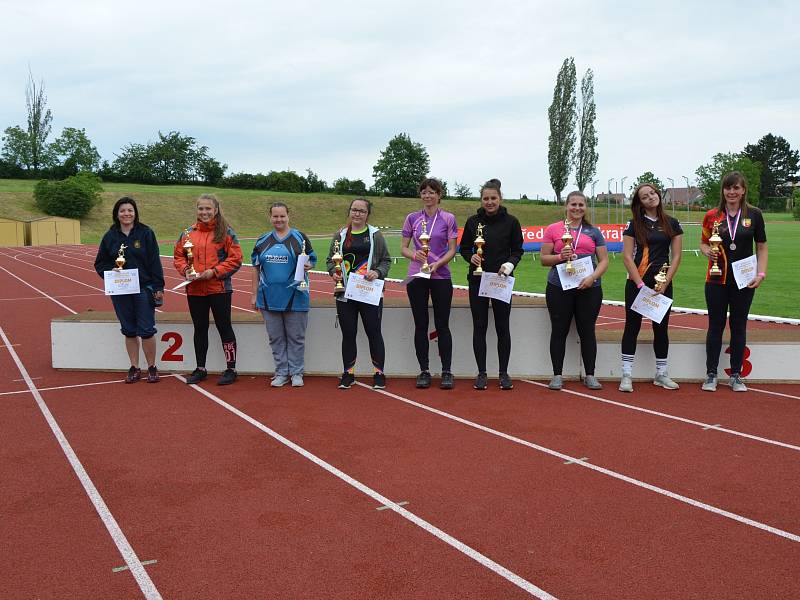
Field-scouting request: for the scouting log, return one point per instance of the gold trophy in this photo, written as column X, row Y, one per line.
column 425, row 238
column 715, row 241
column 661, row 278
column 187, row 248
column 337, row 259
column 479, row 242
column 120, row 260
column 303, row 285
column 567, row 240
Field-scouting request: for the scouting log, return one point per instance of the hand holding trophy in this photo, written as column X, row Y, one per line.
column 661, row 278
column 567, row 241
column 187, row 248
column 120, row 260
column 424, row 238
column 303, row 285
column 715, row 241
column 479, row 243
column 337, row 259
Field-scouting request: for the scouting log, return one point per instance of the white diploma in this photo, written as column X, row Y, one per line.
column 651, row 304
column 122, row 282
column 744, row 271
column 419, row 275
column 182, row 284
column 300, row 271
column 583, row 268
column 362, row 290
column 496, row 286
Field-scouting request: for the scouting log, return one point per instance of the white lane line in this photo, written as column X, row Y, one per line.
column 64, row 306
column 572, row 462
column 709, row 427
column 125, row 568
column 56, row 296
column 771, row 393
column 383, row 501
column 76, row 385
column 403, row 503
column 716, row 427
column 146, row 585
column 566, row 457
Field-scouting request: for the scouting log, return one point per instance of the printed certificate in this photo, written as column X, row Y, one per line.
column 362, row 290
column 496, row 286
column 651, row 304
column 122, row 282
column 744, row 271
column 583, row 268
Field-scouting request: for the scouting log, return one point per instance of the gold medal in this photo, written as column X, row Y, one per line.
column 746, row 222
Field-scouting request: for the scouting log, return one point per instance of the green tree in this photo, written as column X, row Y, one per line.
column 347, row 187
column 647, row 177
column 779, row 163
column 314, row 183
column 73, row 197
column 562, row 116
column 585, row 160
column 709, row 177
column 74, row 146
column 401, row 166
column 16, row 147
column 39, row 123
column 462, row 191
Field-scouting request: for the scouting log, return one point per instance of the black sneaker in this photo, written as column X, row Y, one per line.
column 227, row 378
column 424, row 380
column 447, row 381
column 152, row 374
column 379, row 381
column 134, row 375
column 346, row 381
column 505, row 382
column 197, row 376
column 480, row 382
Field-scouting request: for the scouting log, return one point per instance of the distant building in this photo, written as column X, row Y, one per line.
column 621, row 199
column 682, row 196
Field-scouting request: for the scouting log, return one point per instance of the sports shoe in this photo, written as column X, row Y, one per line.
column 590, row 381
column 556, row 383
column 379, row 381
column 197, row 376
column 279, row 380
column 134, row 375
column 424, row 380
column 346, row 381
column 736, row 383
column 297, row 380
column 505, row 382
column 152, row 374
column 710, row 384
column 480, row 382
column 447, row 381
column 626, row 384
column 665, row 382
column 227, row 378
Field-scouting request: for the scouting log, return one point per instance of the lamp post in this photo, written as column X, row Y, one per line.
column 608, row 202
column 687, row 197
column 593, row 198
column 622, row 190
column 672, row 194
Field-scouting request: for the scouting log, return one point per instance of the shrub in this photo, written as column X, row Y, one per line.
column 796, row 202
column 73, row 197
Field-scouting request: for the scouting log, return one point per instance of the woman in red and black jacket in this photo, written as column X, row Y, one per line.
column 216, row 257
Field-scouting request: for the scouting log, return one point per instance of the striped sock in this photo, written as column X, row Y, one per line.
column 661, row 366
column 627, row 364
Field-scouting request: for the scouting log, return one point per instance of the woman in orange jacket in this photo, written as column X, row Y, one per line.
column 216, row 256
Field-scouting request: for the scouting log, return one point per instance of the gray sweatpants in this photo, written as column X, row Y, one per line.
column 287, row 338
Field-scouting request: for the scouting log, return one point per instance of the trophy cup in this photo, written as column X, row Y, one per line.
column 715, row 241
column 567, row 240
column 187, row 248
column 661, row 278
column 424, row 238
column 120, row 260
column 303, row 285
column 479, row 242
column 337, row 258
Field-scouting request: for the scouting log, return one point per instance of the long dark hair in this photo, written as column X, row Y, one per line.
column 222, row 226
column 584, row 222
column 637, row 210
column 115, row 210
column 348, row 240
column 729, row 180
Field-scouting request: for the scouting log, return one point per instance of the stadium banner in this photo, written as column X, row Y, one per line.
column 532, row 237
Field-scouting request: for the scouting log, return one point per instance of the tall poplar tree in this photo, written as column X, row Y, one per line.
column 562, row 116
column 585, row 161
column 39, row 118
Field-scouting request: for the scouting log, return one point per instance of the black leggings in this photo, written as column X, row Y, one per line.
column 562, row 305
column 347, row 313
column 633, row 323
column 441, row 294
column 480, row 324
column 220, row 306
column 720, row 298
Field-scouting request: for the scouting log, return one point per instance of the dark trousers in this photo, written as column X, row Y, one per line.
column 584, row 306
column 348, row 313
column 720, row 299
column 220, row 307
column 440, row 292
column 633, row 323
column 479, row 306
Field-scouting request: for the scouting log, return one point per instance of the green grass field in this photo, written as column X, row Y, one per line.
column 168, row 209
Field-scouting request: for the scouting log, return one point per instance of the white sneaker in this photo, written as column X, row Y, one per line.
column 736, row 383
column 590, row 381
column 556, row 383
column 297, row 380
column 625, row 384
column 279, row 380
column 665, row 382
column 710, row 384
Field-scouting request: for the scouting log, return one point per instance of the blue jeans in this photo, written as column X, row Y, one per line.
column 137, row 318
column 287, row 338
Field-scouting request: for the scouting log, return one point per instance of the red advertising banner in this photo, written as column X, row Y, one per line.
column 532, row 236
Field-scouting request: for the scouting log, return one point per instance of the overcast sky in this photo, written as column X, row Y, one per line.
column 325, row 84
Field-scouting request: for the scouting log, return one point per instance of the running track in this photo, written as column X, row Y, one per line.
column 251, row 492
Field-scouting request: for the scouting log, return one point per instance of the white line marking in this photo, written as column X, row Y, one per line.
column 673, row 417
column 647, row 486
column 126, row 550
column 403, row 503
column 64, row 306
column 382, row 500
column 76, row 385
column 572, row 462
column 752, row 389
column 32, row 378
column 708, row 427
column 125, row 568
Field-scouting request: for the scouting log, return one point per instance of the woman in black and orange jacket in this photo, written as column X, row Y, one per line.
column 216, row 257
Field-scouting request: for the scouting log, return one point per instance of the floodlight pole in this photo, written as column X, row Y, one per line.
column 672, row 195
column 608, row 203
column 687, row 197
